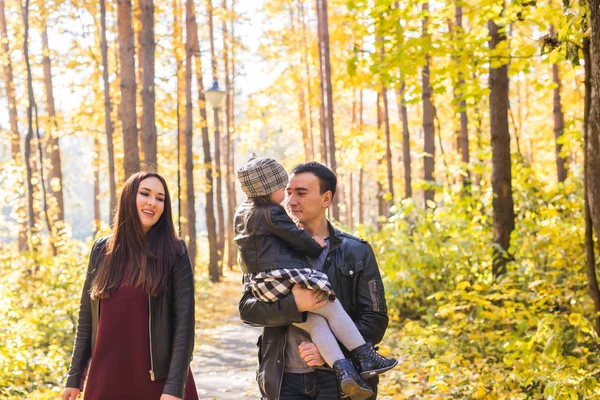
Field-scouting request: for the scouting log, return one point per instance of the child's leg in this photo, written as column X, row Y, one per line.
column 322, row 337
column 341, row 324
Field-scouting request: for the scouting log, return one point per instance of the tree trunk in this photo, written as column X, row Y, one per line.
column 428, row 127
column 361, row 184
column 189, row 131
column 589, row 228
column 231, row 200
column 504, row 217
column 228, row 145
column 322, row 112
column 97, row 217
column 148, row 110
column 559, row 123
column 108, row 124
column 361, row 173
column 308, row 80
column 218, row 177
column 128, row 88
column 388, row 146
column 403, row 112
column 463, row 137
column 325, row 66
column 381, row 210
column 33, row 228
column 52, row 145
column 213, row 263
column 15, row 138
column 180, row 72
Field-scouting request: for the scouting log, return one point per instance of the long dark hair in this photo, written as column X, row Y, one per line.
column 147, row 257
column 252, row 205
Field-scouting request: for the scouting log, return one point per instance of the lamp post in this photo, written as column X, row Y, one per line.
column 215, row 95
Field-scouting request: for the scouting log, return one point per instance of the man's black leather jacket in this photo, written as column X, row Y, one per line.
column 171, row 325
column 354, row 275
column 264, row 246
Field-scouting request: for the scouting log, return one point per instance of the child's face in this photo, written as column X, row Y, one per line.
column 278, row 196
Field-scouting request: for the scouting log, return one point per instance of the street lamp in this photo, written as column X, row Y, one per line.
column 215, row 95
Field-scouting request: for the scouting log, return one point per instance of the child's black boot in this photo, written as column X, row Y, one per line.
column 369, row 362
column 350, row 381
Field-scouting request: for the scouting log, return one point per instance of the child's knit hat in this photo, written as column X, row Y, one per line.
column 261, row 176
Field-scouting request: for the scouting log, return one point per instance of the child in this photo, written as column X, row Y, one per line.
column 273, row 254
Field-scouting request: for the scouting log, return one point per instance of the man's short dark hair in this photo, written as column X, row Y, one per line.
column 327, row 178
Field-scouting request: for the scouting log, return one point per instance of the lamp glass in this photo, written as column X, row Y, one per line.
column 215, row 97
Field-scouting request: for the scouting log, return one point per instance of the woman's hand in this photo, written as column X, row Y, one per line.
column 169, row 397
column 70, row 394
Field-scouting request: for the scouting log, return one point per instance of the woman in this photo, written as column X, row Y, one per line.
column 136, row 316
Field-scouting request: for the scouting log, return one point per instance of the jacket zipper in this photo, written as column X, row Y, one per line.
column 150, row 333
column 282, row 362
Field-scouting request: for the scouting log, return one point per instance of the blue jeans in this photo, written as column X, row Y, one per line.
column 318, row 385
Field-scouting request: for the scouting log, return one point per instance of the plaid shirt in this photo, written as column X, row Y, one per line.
column 273, row 285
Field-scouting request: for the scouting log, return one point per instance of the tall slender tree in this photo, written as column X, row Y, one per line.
column 148, row 124
column 406, row 159
column 590, row 262
column 327, row 91
column 189, row 131
column 128, row 87
column 216, row 117
column 504, row 215
column 559, row 122
column 55, row 177
column 428, row 115
column 228, row 142
column 211, row 225
column 108, row 123
column 15, row 136
column 463, row 137
column 33, row 227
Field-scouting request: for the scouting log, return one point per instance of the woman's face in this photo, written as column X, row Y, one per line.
column 150, row 202
column 278, row 196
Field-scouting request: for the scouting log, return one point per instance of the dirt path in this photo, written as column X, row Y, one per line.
column 225, row 355
column 225, row 362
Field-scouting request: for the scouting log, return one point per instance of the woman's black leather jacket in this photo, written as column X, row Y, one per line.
column 170, row 325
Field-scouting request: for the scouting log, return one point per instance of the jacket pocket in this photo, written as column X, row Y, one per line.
column 377, row 295
column 351, row 269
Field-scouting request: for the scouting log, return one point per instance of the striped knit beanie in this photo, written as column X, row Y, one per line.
column 261, row 176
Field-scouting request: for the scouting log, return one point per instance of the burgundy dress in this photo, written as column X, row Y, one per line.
column 121, row 361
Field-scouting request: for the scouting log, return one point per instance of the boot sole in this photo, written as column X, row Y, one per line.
column 351, row 388
column 374, row 372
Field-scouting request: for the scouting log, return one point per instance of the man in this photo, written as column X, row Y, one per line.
column 290, row 366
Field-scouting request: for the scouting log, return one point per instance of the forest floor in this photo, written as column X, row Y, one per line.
column 225, row 357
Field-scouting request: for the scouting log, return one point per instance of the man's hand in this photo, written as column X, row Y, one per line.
column 311, row 354
column 320, row 240
column 307, row 299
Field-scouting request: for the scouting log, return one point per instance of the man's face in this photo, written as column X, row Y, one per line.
column 304, row 198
